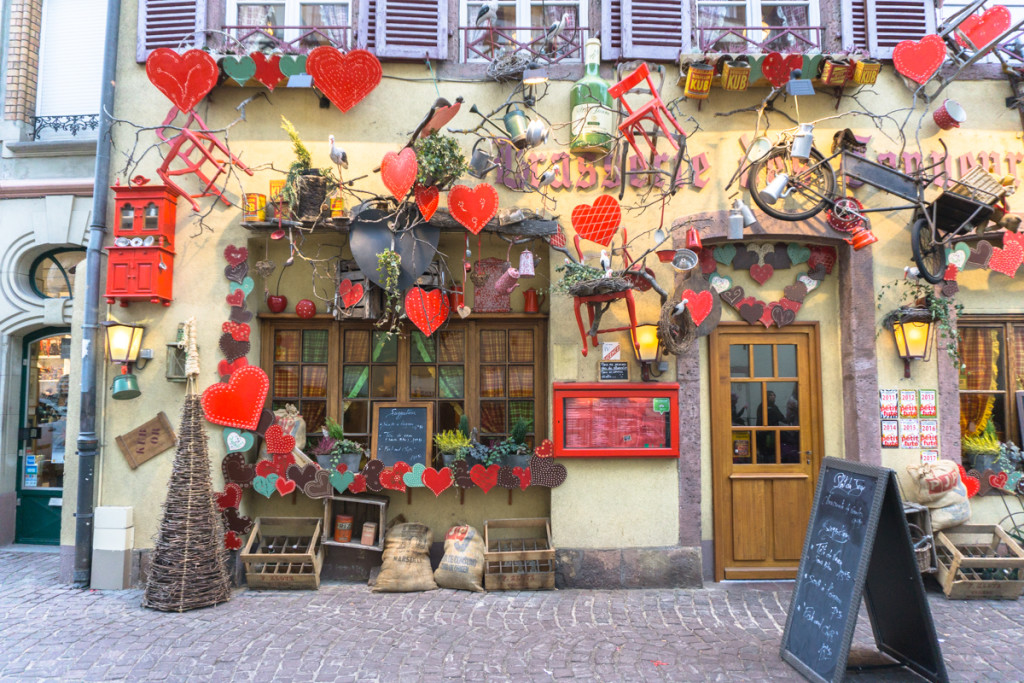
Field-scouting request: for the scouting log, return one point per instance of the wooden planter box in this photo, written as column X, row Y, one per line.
column 519, row 554
column 284, row 552
column 979, row 562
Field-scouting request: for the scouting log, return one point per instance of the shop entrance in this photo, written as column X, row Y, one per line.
column 41, row 436
column 766, row 446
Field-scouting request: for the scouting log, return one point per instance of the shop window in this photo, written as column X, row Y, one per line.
column 523, row 24
column 290, row 24
column 52, row 275
column 991, row 377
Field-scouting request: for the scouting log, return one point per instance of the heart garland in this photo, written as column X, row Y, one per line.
column 1006, row 260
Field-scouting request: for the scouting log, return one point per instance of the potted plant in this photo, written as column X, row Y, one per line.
column 513, row 451
column 306, row 188
column 334, row 449
column 440, row 160
column 451, row 445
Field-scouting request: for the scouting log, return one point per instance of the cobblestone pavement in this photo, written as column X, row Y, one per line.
column 345, row 633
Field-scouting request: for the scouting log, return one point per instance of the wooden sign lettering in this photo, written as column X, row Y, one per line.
column 147, row 440
column 403, row 432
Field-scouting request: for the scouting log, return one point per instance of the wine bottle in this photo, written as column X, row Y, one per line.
column 592, row 111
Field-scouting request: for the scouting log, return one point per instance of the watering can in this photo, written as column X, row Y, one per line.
column 481, row 163
column 532, row 299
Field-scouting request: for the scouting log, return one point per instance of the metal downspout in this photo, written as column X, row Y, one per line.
column 87, row 444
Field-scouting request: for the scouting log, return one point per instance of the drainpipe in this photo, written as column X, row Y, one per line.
column 87, row 444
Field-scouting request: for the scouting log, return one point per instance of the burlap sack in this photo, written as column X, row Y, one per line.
column 932, row 481
column 462, row 566
column 406, row 562
column 955, row 512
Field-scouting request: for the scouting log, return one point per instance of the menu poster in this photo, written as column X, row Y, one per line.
column 888, row 402
column 908, row 402
column 929, row 434
column 929, row 456
column 910, row 434
column 890, row 434
column 928, row 406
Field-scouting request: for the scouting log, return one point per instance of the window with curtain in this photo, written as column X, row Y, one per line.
column 311, row 23
column 743, row 25
column 992, row 352
column 532, row 17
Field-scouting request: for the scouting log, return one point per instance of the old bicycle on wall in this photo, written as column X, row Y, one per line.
column 792, row 181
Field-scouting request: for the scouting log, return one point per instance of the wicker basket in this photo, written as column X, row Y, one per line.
column 922, row 547
column 979, row 185
column 601, row 285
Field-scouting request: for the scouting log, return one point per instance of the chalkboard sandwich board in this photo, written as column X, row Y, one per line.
column 403, row 432
column 858, row 547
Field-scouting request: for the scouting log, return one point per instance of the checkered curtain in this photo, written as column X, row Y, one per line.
column 980, row 353
column 1017, row 346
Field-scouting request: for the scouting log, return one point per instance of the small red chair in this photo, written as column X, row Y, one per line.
column 653, row 110
column 596, row 303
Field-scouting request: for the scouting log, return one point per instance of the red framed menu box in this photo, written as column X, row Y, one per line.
column 625, row 420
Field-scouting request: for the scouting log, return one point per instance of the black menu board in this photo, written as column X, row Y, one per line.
column 402, row 432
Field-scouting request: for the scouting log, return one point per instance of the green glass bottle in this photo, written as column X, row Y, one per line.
column 592, row 111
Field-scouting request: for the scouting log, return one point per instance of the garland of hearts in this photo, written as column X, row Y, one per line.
column 1006, row 260
column 762, row 260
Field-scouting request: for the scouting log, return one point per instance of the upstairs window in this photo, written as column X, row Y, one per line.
column 876, row 26
column 290, row 25
column 757, row 25
column 523, row 25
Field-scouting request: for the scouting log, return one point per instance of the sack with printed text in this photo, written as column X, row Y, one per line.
column 462, row 566
column 406, row 562
column 933, row 483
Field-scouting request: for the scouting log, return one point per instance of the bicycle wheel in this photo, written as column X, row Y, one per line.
column 812, row 184
column 929, row 255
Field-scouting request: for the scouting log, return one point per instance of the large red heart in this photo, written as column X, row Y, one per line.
column 484, row 477
column 392, row 479
column 350, row 294
column 235, row 255
column 398, row 171
column 919, row 60
column 777, row 69
column 761, row 274
column 473, row 206
column 239, row 403
column 238, row 331
column 268, row 69
column 599, row 221
column 427, row 310
column 698, row 304
column 284, row 486
column 278, row 441
column 436, row 480
column 184, row 79
column 226, row 369
column 427, row 199
column 1008, row 259
column 984, row 28
column 344, row 78
column 231, row 497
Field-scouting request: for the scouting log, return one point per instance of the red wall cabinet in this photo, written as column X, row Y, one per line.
column 140, row 264
column 134, row 274
column 624, row 420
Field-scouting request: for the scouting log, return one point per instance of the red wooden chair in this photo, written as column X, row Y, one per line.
column 653, row 110
column 596, row 303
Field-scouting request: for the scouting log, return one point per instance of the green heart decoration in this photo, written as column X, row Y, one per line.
column 239, row 69
column 292, row 65
column 811, row 65
column 959, row 255
column 720, row 283
column 415, row 477
column 341, row 480
column 798, row 253
column 238, row 441
column 725, row 254
column 245, row 285
column 265, row 486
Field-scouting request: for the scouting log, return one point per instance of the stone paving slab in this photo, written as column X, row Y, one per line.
column 343, row 632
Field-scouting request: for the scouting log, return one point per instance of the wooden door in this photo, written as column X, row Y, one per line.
column 766, row 446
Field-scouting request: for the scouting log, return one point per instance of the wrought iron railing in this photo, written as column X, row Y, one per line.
column 270, row 38
column 73, row 124
column 486, row 44
column 745, row 39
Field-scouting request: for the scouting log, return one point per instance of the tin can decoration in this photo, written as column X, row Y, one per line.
column 835, row 72
column 276, row 187
column 255, row 207
column 343, row 528
column 337, row 207
column 865, row 72
column 735, row 75
column 698, row 81
column 369, row 533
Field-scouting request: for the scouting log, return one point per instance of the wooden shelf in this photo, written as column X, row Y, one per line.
column 322, row 225
column 360, row 515
column 532, row 225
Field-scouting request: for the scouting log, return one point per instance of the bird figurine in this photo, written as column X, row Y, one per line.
column 441, row 112
column 554, row 31
column 546, row 178
column 606, row 263
column 679, row 308
column 488, row 14
column 338, row 156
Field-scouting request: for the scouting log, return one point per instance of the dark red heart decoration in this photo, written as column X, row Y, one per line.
column 230, row 498
column 236, row 521
column 344, row 78
column 350, row 294
column 761, row 273
column 372, row 473
column 238, row 331
column 225, row 369
column 546, row 472
column 597, row 222
column 507, row 479
column 268, row 69
column 265, row 468
column 239, row 403
column 239, row 314
column 523, row 475
column 281, row 462
column 319, row 486
column 232, row 541
column 236, row 298
column 777, row 69
column 185, row 79
column 236, row 470
column 436, row 480
column 278, row 441
column 301, row 475
column 427, row 310
column 919, row 60
column 752, row 312
column 473, row 207
column 427, row 199
column 462, row 477
column 484, row 477
column 822, row 256
column 546, row 449
column 398, row 171
column 232, row 348
column 237, row 272
column 699, row 304
column 392, row 480
column 984, row 28
column 235, row 255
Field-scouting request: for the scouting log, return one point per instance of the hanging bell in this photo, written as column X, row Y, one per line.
column 526, row 264
column 693, row 239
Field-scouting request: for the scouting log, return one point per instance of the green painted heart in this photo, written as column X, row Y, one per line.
column 292, row 65
column 245, row 285
column 798, row 253
column 239, row 69
column 958, row 257
column 341, row 480
column 811, row 65
column 720, row 283
column 725, row 254
column 265, row 486
column 415, row 477
column 238, row 441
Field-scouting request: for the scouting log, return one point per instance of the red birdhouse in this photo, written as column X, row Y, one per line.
column 140, row 263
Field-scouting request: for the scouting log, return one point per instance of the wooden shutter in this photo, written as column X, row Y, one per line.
column 412, row 29
column 878, row 25
column 855, row 24
column 165, row 23
column 367, row 38
column 611, row 29
column 655, row 29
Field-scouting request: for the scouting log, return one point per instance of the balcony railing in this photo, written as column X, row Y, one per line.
column 73, row 124
column 483, row 44
column 745, row 39
column 302, row 40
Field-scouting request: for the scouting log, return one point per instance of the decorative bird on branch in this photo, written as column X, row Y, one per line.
column 338, row 156
column 441, row 112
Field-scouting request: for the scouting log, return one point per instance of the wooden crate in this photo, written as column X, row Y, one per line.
column 979, row 562
column 519, row 554
column 284, row 552
column 363, row 508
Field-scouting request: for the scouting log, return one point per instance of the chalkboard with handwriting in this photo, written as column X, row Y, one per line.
column 858, row 546
column 403, row 432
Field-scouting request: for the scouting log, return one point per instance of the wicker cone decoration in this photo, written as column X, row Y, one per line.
column 189, row 566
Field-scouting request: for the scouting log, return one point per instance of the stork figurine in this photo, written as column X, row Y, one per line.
column 554, row 31
column 338, row 156
column 485, row 19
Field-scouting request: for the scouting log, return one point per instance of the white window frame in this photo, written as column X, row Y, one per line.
column 94, row 57
column 753, row 8
column 292, row 12
column 523, row 8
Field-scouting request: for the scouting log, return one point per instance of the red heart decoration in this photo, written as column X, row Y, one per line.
column 998, row 481
column 919, row 60
column 523, row 475
column 392, row 479
column 822, row 256
column 546, row 449
column 1008, row 259
column 341, row 467
column 973, row 485
column 277, row 441
column 265, row 468
column 236, row 298
column 435, row 480
column 282, row 461
column 238, row 331
column 398, row 171
column 698, row 304
column 777, row 69
column 766, row 315
column 284, row 486
column 236, row 255
column 427, row 310
column 789, row 304
column 350, row 294
column 358, row 484
column 232, row 541
column 344, row 78
column 984, row 28
column 427, row 199
column 597, row 222
column 485, row 477
column 268, row 69
column 184, row 79
column 226, row 369
column 239, row 403
column 558, row 239
column 761, row 274
column 473, row 206
column 951, row 272
column 230, row 498
column 401, row 468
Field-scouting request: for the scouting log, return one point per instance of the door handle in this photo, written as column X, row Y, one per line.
column 808, row 454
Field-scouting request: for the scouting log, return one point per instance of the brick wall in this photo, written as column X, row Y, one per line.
column 23, row 60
